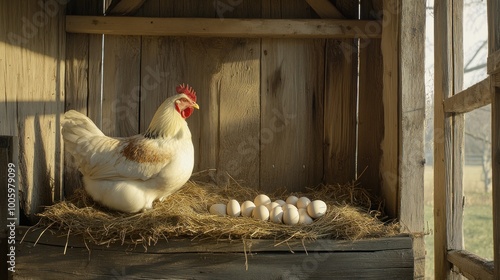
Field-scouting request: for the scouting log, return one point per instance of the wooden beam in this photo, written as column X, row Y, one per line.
column 494, row 62
column 474, row 97
column 209, row 27
column 470, row 265
column 325, row 9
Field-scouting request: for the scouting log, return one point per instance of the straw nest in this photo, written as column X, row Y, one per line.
column 185, row 214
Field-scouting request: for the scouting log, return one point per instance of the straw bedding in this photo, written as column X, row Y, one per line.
column 350, row 215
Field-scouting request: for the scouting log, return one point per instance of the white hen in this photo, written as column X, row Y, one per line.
column 128, row 174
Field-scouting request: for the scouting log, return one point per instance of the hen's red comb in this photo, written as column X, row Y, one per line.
column 187, row 90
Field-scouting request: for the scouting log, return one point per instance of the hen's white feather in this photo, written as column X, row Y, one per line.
column 128, row 174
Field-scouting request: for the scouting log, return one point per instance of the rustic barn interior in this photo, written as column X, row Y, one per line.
column 293, row 93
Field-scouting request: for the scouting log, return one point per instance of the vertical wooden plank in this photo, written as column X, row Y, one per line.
column 412, row 123
column 77, row 81
column 8, row 110
column 121, row 86
column 239, row 120
column 446, row 141
column 340, row 110
column 370, row 109
column 455, row 218
column 442, row 89
column 390, row 99
column 292, row 96
column 494, row 46
column 34, row 74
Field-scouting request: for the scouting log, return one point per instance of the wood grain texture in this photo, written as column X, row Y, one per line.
column 76, row 85
column 495, row 150
column 33, row 82
column 239, row 28
column 239, row 115
column 443, row 151
column 474, row 97
column 340, row 108
column 493, row 50
column 370, row 110
column 291, row 114
column 385, row 257
column 455, row 220
column 493, row 63
column 411, row 158
column 470, row 265
column 121, row 85
column 389, row 163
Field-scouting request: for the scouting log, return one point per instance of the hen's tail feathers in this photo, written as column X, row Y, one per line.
column 76, row 127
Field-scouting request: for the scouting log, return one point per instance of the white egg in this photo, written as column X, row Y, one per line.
column 260, row 213
column 292, row 200
column 247, row 208
column 316, row 209
column 280, row 202
column 271, row 206
column 261, row 199
column 291, row 215
column 276, row 215
column 303, row 202
column 286, row 206
column 218, row 209
column 233, row 208
column 304, row 218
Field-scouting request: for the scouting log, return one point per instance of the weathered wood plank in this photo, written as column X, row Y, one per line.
column 8, row 119
column 389, row 163
column 209, row 259
column 473, row 97
column 470, row 265
column 493, row 49
column 34, row 83
column 239, row 116
column 370, row 109
column 456, row 202
column 390, row 264
column 121, row 84
column 493, row 63
column 340, row 106
column 291, row 114
column 495, row 150
column 444, row 78
column 76, row 85
column 412, row 126
column 206, row 27
column 220, row 246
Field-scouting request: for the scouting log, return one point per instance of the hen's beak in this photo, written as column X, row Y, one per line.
column 195, row 105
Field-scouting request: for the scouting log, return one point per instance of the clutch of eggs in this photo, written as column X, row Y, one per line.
column 294, row 210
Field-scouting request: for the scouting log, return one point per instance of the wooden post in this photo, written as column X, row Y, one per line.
column 493, row 48
column 412, row 127
column 448, row 135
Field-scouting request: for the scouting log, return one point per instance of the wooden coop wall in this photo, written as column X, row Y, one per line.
column 274, row 112
column 327, row 128
column 329, row 124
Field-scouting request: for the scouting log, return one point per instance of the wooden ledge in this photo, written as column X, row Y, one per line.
column 213, row 27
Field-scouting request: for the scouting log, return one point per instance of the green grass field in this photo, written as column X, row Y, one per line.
column 478, row 220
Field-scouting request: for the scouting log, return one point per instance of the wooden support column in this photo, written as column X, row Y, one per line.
column 493, row 50
column 448, row 135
